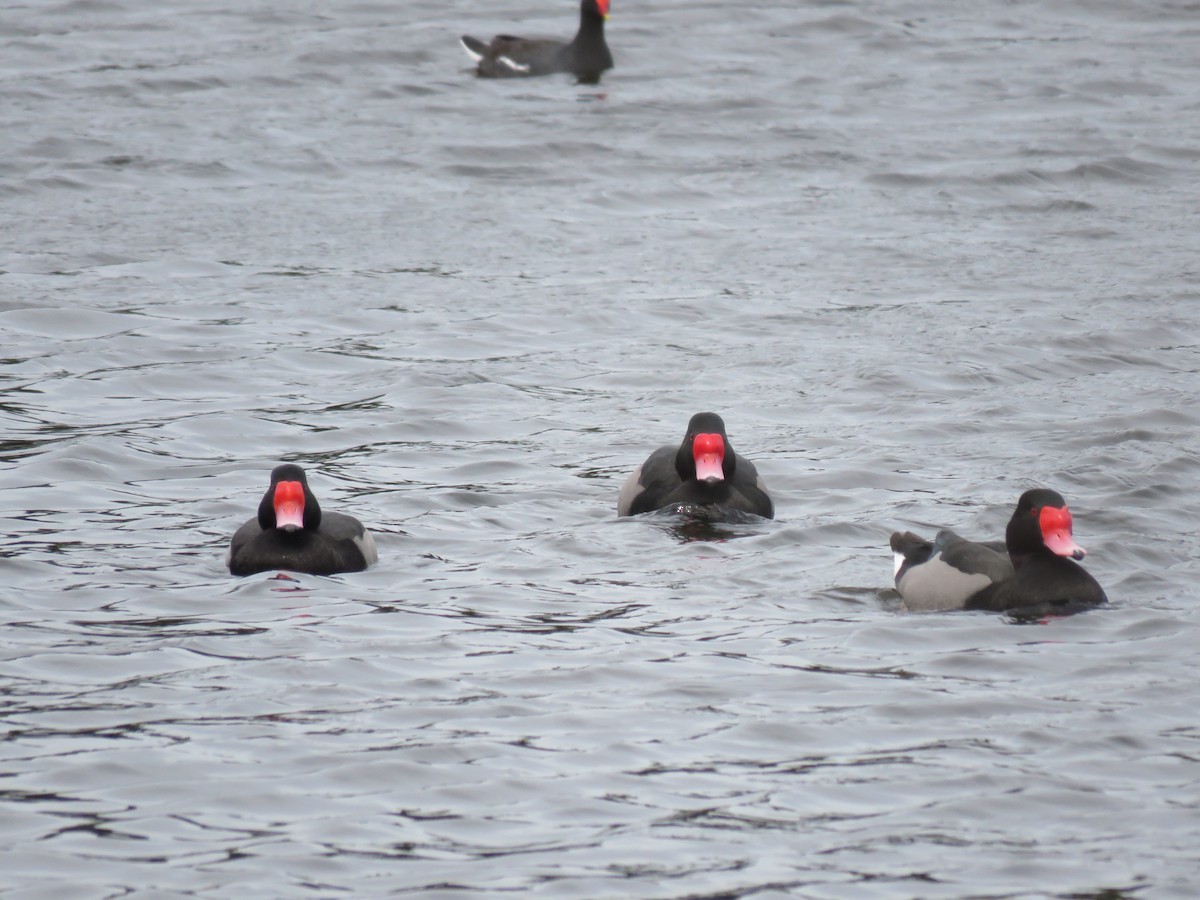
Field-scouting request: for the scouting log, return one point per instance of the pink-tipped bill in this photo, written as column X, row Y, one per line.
column 709, row 452
column 1056, row 532
column 289, row 504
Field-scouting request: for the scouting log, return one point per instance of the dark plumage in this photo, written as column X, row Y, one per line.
column 586, row 57
column 1033, row 573
column 291, row 532
column 703, row 472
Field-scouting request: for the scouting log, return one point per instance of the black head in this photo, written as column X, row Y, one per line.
column 1038, row 498
column 289, row 498
column 594, row 9
column 1041, row 523
column 698, row 460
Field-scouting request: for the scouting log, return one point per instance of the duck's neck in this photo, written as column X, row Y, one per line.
column 591, row 25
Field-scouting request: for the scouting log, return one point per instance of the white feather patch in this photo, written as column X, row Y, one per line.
column 512, row 64
column 366, row 544
column 476, row 57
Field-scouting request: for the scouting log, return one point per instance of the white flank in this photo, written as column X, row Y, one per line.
column 471, row 53
column 512, row 64
column 898, row 561
column 366, row 544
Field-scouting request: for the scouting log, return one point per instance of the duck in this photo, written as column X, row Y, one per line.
column 292, row 533
column 586, row 56
column 1035, row 572
column 702, row 474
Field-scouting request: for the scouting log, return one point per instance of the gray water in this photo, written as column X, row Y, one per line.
column 921, row 256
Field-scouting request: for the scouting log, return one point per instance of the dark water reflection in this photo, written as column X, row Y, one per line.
column 919, row 258
column 689, row 522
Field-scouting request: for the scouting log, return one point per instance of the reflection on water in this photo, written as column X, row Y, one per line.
column 696, row 522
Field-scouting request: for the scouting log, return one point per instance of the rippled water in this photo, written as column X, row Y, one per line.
column 920, row 256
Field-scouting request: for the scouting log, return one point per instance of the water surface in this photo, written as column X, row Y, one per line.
column 920, row 256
